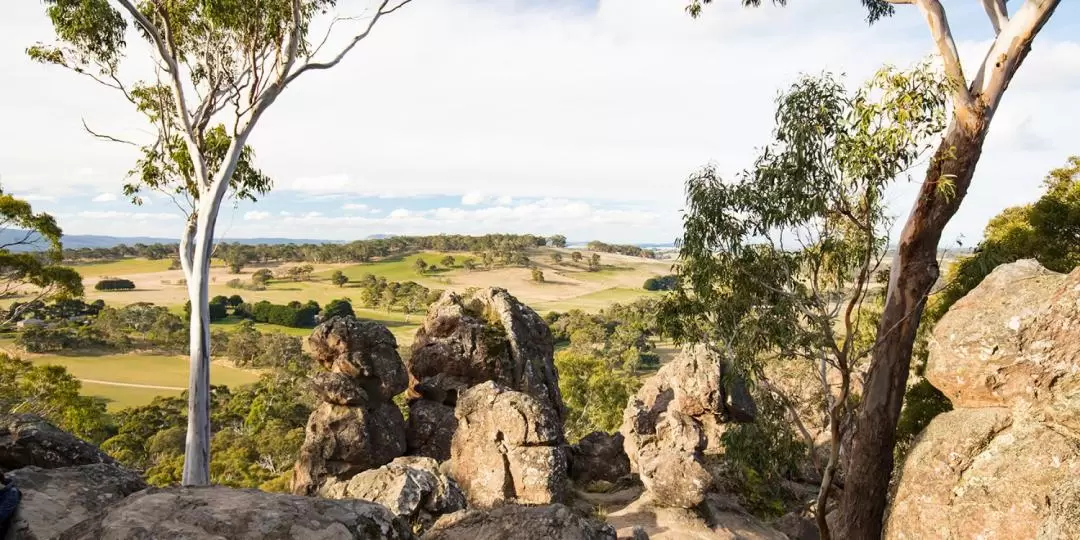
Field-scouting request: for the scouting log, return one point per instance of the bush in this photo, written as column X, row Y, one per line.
column 661, row 283
column 235, row 300
column 293, row 315
column 115, row 284
column 338, row 308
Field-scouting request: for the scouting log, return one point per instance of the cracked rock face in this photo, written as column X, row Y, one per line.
column 507, row 448
column 363, row 352
column 54, row 500
column 412, row 488
column 1003, row 464
column 240, row 514
column 468, row 340
column 598, row 456
column 513, row 522
column 676, row 418
column 27, row 440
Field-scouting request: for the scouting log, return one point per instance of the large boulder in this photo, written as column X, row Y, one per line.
column 676, row 418
column 54, row 500
column 430, row 429
column 342, row 441
column 241, row 514
column 413, row 488
column 513, row 522
column 1003, row 464
column 27, row 440
column 507, row 448
column 364, row 352
column 465, row 341
column 599, row 456
column 357, row 426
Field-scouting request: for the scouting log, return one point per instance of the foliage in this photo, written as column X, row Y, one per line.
column 409, row 297
column 246, row 347
column 759, row 456
column 293, row 314
column 52, row 393
column 339, row 278
column 537, row 275
column 624, row 249
column 338, row 308
column 557, row 240
column 32, row 273
column 594, row 263
column 776, row 265
column 595, row 395
column 115, row 284
column 661, row 283
column 58, row 337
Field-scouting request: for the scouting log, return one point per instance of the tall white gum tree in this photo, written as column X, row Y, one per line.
column 219, row 65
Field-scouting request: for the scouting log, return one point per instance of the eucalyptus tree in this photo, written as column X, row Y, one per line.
column 217, row 68
column 776, row 266
column 915, row 269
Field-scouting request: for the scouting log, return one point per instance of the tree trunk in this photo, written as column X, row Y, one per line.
column 199, row 246
column 914, row 271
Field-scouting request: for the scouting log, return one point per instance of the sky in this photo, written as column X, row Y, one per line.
column 579, row 117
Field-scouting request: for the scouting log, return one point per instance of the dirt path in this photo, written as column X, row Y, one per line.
column 132, row 385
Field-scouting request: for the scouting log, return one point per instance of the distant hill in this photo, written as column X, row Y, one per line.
column 76, row 241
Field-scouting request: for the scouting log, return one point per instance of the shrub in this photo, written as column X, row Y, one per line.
column 338, row 308
column 661, row 283
column 115, row 284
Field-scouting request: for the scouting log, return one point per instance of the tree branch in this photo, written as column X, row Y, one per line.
column 334, row 61
column 105, row 137
column 943, row 39
column 998, row 13
column 1008, row 52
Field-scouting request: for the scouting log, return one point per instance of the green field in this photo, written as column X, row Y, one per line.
column 594, row 301
column 122, row 267
column 401, row 269
column 151, row 370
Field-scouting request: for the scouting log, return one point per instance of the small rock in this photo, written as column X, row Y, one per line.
column 513, row 522
column 28, row 440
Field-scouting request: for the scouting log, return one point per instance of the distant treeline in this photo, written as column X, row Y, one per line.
column 622, row 249
column 358, row 251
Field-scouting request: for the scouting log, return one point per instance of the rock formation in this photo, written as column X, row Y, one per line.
column 513, row 522
column 507, row 448
column 465, row 341
column 1003, row 464
column 28, row 440
column 412, row 487
column 675, row 418
column 240, row 514
column 54, row 500
column 357, row 427
column 599, row 456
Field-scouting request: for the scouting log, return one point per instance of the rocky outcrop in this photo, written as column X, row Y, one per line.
column 598, row 456
column 465, row 341
column 430, row 429
column 413, row 488
column 241, row 514
column 54, row 500
column 27, row 440
column 507, row 448
column 1003, row 463
column 513, row 522
column 356, row 427
column 676, row 418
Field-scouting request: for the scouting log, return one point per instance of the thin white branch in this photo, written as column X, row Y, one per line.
column 946, row 46
column 102, row 136
column 998, row 13
column 1008, row 52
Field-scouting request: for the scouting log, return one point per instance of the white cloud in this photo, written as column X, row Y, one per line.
column 354, row 206
column 472, row 199
column 137, row 216
column 400, row 213
column 105, row 197
column 256, row 215
column 613, row 102
column 36, row 197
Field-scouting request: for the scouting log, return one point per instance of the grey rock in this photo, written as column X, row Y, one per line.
column 507, row 448
column 338, row 389
column 430, row 429
column 599, row 456
column 413, row 488
column 514, row 522
column 28, row 440
column 238, row 514
column 364, row 351
column 54, row 500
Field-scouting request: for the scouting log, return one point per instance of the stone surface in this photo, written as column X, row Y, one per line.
column 28, row 440
column 338, row 389
column 430, row 429
column 507, row 448
column 513, row 522
column 364, row 351
column 238, row 514
column 1004, row 463
column 412, row 488
column 489, row 336
column 342, row 441
column 677, row 417
column 54, row 500
column 661, row 522
column 598, row 456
